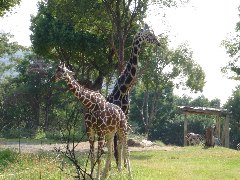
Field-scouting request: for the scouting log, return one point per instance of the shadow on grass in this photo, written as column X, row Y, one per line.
column 141, row 156
column 208, row 147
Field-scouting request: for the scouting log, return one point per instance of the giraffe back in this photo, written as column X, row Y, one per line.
column 107, row 119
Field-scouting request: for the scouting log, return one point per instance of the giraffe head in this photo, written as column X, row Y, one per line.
column 62, row 72
column 149, row 37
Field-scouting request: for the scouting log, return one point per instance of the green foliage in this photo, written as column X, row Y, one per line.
column 6, row 5
column 232, row 69
column 32, row 102
column 61, row 31
column 8, row 52
column 63, row 35
column 90, row 35
column 161, row 102
column 167, row 124
column 153, row 108
column 7, row 47
column 23, row 95
column 40, row 134
column 202, row 101
column 87, row 49
column 6, row 157
column 233, row 105
column 167, row 65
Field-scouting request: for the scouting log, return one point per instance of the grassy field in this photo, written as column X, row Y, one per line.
column 187, row 163
column 182, row 163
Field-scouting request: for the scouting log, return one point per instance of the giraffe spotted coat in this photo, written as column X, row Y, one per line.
column 106, row 120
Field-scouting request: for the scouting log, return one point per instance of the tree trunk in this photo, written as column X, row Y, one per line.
column 146, row 114
column 36, row 110
column 47, row 109
column 121, row 54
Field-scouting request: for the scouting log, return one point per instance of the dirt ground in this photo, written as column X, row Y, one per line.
column 81, row 147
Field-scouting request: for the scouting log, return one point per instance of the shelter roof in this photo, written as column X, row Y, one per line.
column 204, row 110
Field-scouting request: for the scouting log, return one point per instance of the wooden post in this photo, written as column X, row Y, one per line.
column 218, row 128
column 226, row 131
column 185, row 130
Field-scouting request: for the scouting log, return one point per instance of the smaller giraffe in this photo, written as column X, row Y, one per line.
column 106, row 120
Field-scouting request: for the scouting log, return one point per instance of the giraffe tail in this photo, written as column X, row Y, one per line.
column 115, row 142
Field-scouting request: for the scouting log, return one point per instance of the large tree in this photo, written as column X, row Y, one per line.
column 31, row 102
column 232, row 69
column 56, row 35
column 92, row 35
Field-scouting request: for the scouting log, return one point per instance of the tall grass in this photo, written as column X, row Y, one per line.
column 181, row 163
column 6, row 157
column 40, row 166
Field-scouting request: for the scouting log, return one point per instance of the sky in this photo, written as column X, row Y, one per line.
column 202, row 24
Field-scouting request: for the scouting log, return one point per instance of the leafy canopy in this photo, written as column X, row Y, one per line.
column 232, row 69
column 6, row 5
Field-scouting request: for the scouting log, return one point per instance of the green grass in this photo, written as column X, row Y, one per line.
column 41, row 166
column 6, row 157
column 187, row 163
column 181, row 163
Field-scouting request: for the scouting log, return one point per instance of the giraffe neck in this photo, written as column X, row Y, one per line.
column 88, row 97
column 119, row 95
column 131, row 66
column 126, row 79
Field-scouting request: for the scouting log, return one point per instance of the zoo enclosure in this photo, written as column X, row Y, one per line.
column 209, row 111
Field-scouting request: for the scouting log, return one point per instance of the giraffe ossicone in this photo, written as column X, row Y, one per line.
column 106, row 119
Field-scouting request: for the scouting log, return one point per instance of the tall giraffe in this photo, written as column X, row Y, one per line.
column 106, row 120
column 120, row 93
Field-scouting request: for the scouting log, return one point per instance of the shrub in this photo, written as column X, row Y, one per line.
column 6, row 156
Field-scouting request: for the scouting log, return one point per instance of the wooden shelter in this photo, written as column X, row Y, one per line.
column 221, row 134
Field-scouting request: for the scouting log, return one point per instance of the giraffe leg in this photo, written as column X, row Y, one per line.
column 120, row 149
column 91, row 138
column 99, row 154
column 109, row 158
column 126, row 157
column 92, row 156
